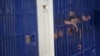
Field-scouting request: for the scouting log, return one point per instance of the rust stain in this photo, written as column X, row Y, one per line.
column 79, row 47
column 55, row 35
column 60, row 33
column 69, row 31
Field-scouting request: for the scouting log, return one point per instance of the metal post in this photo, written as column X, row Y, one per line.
column 45, row 27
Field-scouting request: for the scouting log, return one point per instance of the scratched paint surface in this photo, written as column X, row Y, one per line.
column 18, row 28
column 76, row 39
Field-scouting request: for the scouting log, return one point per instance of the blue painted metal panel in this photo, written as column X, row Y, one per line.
column 97, row 4
column 97, row 16
column 81, row 43
column 97, row 24
column 18, row 28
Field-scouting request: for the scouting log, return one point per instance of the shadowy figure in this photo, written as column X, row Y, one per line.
column 73, row 20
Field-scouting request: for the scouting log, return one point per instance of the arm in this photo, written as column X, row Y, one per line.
column 75, row 26
column 68, row 22
column 71, row 23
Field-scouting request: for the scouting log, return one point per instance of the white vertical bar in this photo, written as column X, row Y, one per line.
column 45, row 27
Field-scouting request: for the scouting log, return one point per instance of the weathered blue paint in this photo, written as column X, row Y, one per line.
column 69, row 45
column 18, row 18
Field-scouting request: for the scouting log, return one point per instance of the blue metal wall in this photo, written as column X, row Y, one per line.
column 18, row 20
column 97, row 27
column 75, row 44
column 97, row 4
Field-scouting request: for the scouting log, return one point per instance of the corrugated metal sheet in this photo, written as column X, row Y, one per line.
column 18, row 28
column 81, row 43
